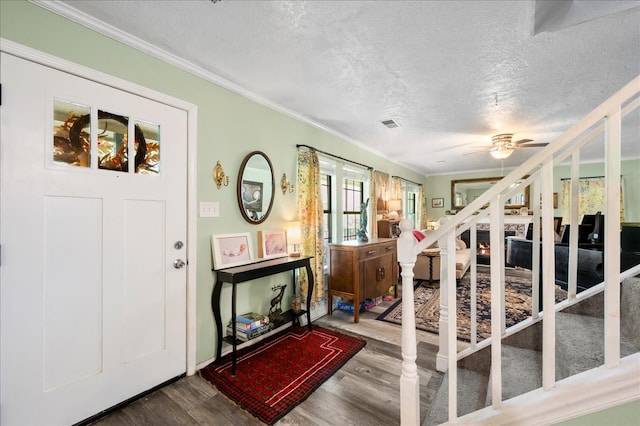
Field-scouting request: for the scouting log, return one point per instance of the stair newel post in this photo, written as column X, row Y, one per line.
column 442, row 357
column 448, row 318
column 409, row 379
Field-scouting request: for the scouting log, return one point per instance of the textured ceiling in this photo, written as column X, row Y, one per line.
column 452, row 74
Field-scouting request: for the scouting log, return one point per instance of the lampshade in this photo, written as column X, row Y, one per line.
column 294, row 237
column 394, row 205
column 293, row 232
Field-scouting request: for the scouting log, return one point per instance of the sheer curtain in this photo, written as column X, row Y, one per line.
column 310, row 214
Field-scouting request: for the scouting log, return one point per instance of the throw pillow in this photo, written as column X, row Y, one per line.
column 460, row 245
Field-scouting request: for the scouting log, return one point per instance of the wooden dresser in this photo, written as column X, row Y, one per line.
column 360, row 271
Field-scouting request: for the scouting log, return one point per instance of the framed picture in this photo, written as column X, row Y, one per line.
column 437, row 203
column 252, row 195
column 231, row 250
column 272, row 244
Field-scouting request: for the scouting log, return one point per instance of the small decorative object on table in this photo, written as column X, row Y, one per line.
column 362, row 232
column 275, row 311
column 296, row 303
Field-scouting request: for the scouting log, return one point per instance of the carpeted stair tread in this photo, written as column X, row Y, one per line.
column 580, row 344
column 630, row 311
column 521, row 372
column 579, row 347
column 472, row 388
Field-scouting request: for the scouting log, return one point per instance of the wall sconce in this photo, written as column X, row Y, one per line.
column 219, row 177
column 285, row 185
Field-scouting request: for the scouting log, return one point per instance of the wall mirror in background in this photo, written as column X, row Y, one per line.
column 255, row 187
column 464, row 191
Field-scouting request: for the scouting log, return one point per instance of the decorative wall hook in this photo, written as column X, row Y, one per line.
column 219, row 177
column 285, row 185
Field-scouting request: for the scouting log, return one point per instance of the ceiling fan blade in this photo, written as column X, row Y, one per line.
column 522, row 141
column 532, row 145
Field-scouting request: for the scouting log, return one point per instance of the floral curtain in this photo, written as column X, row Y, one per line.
column 374, row 205
column 421, row 209
column 310, row 214
column 591, row 198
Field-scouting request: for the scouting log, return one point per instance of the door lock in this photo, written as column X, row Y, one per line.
column 179, row 263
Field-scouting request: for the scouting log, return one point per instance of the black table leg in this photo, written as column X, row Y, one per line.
column 215, row 307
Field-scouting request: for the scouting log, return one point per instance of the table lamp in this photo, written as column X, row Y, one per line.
column 394, row 206
column 294, row 237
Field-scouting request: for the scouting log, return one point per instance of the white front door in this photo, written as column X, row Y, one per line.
column 93, row 310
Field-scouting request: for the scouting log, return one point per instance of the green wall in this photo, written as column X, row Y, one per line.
column 623, row 415
column 439, row 186
column 229, row 127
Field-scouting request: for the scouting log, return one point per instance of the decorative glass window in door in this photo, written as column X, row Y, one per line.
column 113, row 141
column 73, row 143
column 151, row 135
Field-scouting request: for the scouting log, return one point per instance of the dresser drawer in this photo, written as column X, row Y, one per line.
column 376, row 250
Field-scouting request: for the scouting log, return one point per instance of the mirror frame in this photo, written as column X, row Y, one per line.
column 486, row 179
column 243, row 211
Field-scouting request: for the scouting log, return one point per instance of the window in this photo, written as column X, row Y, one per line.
column 325, row 181
column 411, row 207
column 353, row 198
column 344, row 188
column 109, row 149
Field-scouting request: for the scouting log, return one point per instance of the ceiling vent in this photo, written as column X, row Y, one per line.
column 391, row 124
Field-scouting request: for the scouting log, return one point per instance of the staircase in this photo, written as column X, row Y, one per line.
column 575, row 357
column 580, row 336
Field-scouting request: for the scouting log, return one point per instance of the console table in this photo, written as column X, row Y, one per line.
column 252, row 271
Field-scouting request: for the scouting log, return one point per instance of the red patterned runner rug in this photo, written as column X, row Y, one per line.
column 275, row 375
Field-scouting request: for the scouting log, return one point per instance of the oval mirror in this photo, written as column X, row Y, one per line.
column 255, row 187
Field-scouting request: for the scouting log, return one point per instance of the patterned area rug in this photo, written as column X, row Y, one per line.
column 427, row 304
column 275, row 375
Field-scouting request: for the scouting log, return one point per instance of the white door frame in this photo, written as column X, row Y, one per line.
column 51, row 61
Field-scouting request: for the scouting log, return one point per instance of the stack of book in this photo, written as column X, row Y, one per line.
column 249, row 326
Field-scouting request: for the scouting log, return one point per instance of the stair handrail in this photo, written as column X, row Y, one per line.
column 541, row 164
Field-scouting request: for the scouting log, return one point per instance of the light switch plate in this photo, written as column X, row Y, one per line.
column 209, row 209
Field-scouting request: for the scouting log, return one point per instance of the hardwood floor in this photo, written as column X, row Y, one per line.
column 365, row 391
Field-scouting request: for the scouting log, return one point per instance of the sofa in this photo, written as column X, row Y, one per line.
column 430, row 257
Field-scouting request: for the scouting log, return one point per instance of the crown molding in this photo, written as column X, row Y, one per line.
column 90, row 22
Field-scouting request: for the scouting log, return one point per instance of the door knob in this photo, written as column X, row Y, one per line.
column 178, row 263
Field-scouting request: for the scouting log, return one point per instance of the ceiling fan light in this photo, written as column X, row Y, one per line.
column 501, row 153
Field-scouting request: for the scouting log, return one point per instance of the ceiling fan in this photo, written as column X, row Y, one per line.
column 503, row 146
